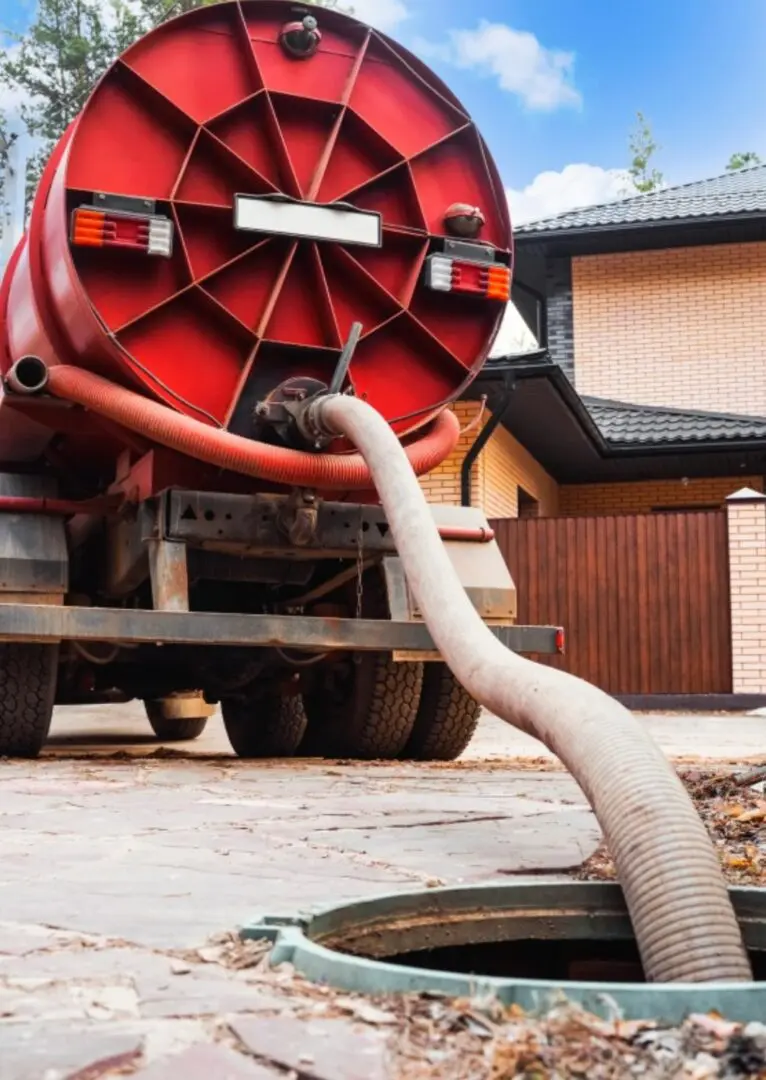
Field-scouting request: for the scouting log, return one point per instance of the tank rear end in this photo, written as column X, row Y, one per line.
column 257, row 204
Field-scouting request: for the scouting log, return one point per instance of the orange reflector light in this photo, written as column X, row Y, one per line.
column 152, row 234
column 489, row 280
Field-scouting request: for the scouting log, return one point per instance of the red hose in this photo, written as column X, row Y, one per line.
column 339, row 472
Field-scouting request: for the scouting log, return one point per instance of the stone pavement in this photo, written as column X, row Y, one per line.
column 118, row 860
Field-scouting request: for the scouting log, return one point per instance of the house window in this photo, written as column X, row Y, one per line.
column 529, row 507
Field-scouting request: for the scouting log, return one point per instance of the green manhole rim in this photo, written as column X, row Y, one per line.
column 669, row 1003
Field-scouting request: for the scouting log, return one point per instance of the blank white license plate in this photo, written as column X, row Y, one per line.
column 308, row 221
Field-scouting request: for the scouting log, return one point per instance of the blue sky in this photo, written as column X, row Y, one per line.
column 697, row 68
column 556, row 83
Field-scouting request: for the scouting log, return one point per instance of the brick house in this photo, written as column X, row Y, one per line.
column 648, row 391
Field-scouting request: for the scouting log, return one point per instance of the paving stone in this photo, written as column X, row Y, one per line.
column 208, row 1062
column 325, row 1049
column 28, row 999
column 59, row 1051
column 205, row 997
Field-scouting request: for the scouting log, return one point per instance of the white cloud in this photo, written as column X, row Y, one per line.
column 574, row 187
column 385, row 15
column 543, row 78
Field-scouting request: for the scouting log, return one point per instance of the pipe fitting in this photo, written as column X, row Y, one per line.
column 29, row 375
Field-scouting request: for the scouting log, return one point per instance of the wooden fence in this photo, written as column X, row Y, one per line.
column 644, row 598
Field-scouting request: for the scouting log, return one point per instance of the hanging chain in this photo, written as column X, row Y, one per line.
column 359, row 564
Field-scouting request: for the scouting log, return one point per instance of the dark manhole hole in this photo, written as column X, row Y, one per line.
column 524, row 943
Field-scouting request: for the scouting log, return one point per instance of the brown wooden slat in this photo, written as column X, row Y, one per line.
column 644, row 598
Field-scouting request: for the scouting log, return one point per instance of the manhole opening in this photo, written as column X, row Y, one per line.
column 561, row 961
column 576, row 933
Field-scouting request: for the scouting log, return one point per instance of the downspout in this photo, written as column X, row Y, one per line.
column 496, row 416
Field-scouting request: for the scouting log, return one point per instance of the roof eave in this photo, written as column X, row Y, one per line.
column 632, row 227
column 608, row 448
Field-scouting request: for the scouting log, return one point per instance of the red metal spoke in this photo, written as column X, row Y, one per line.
column 224, row 310
column 356, row 296
column 268, row 309
column 149, row 89
column 410, row 191
column 408, row 314
column 321, row 168
column 327, row 303
column 449, row 101
column 210, row 241
column 154, row 309
column 283, row 154
column 185, row 164
column 230, row 109
column 346, row 255
column 399, row 104
column 258, row 177
column 205, row 278
column 210, row 66
column 244, row 34
column 275, row 292
column 457, row 133
column 179, row 239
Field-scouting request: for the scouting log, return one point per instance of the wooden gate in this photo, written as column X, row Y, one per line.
column 644, row 598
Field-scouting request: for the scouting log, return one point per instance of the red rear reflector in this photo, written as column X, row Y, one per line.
column 152, row 234
column 560, row 641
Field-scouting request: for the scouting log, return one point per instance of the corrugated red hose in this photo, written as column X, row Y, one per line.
column 330, row 472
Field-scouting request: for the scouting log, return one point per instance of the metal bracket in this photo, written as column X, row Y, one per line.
column 169, row 575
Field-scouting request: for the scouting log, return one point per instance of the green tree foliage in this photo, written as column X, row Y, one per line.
column 643, row 147
column 742, row 160
column 53, row 66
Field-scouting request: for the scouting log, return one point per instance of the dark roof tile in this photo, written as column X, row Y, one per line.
column 622, row 423
column 740, row 192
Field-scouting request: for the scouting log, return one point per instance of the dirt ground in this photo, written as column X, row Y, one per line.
column 123, row 865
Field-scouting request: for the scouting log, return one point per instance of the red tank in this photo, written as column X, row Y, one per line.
column 245, row 183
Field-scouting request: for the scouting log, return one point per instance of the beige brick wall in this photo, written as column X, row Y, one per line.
column 443, row 484
column 747, row 576
column 640, row 497
column 684, row 327
column 502, row 467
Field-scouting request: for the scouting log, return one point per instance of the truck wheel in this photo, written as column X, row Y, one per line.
column 371, row 716
column 267, row 727
column 27, row 692
column 171, row 730
column 446, row 720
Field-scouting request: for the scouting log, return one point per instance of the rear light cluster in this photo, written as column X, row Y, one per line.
column 490, row 280
column 150, row 233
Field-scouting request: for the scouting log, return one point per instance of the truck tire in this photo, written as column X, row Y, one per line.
column 268, row 727
column 27, row 692
column 447, row 718
column 373, row 719
column 173, row 730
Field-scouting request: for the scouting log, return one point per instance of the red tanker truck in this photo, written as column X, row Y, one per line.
column 260, row 204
